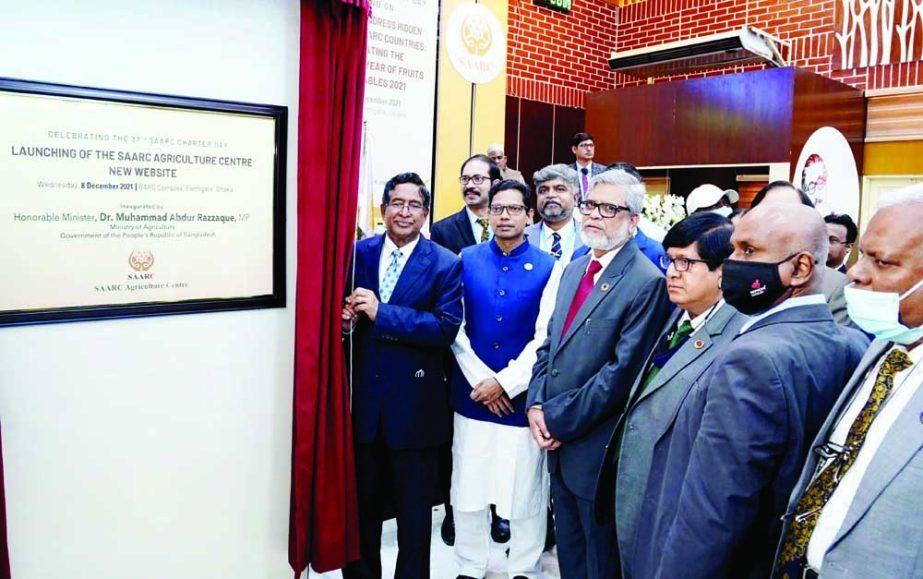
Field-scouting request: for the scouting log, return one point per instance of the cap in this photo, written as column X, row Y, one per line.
column 707, row 195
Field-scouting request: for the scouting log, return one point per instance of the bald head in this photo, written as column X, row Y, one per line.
column 773, row 232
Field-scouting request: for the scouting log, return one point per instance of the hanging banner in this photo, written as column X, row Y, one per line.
column 400, row 99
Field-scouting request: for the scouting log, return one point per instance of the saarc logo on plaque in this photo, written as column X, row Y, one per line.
column 475, row 43
column 141, row 260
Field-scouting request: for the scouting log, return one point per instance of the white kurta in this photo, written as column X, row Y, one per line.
column 495, row 463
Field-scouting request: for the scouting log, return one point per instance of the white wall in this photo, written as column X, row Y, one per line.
column 154, row 447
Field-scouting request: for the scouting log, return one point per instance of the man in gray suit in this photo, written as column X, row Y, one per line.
column 699, row 327
column 557, row 191
column 609, row 309
column 724, row 469
column 858, row 506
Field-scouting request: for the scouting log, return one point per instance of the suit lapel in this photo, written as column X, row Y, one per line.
column 609, row 278
column 689, row 352
column 903, row 441
column 464, row 228
column 368, row 276
column 647, row 362
column 417, row 265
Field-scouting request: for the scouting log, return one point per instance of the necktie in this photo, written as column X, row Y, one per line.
column 681, row 333
column 583, row 292
column 391, row 275
column 586, row 180
column 485, row 233
column 821, row 488
column 556, row 245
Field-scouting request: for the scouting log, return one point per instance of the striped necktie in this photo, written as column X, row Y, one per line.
column 821, row 488
column 556, row 250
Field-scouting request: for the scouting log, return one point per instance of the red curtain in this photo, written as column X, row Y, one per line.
column 4, row 550
column 323, row 520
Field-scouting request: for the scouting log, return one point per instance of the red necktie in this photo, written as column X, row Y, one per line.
column 583, row 292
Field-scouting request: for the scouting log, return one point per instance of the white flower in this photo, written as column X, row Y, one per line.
column 664, row 210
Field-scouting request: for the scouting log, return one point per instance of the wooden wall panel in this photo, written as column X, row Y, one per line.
column 821, row 102
column 895, row 118
column 741, row 118
column 536, row 137
column 634, row 124
column 567, row 123
column 511, row 132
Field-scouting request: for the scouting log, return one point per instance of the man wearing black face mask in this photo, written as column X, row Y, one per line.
column 735, row 450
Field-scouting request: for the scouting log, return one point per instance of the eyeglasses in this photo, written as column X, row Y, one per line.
column 606, row 210
column 680, row 264
column 399, row 206
column 514, row 210
column 586, row 145
column 476, row 179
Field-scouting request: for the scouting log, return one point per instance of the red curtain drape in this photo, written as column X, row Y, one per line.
column 4, row 550
column 323, row 520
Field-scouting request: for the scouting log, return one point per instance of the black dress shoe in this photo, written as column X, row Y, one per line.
column 448, row 528
column 499, row 528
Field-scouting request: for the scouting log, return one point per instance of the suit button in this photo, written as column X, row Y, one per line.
column 505, row 268
column 501, row 293
column 496, row 345
column 499, row 318
column 554, row 372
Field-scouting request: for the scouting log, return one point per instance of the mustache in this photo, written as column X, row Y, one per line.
column 471, row 190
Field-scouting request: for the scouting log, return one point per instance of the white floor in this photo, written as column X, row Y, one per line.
column 441, row 558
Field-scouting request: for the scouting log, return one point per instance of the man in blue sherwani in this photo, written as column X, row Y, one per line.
column 404, row 312
column 724, row 468
column 509, row 289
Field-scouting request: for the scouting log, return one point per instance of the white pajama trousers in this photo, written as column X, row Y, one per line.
column 472, row 544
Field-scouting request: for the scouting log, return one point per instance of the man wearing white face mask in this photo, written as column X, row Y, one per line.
column 857, row 508
column 708, row 197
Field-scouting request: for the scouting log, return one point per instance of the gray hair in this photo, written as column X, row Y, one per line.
column 903, row 196
column 636, row 189
column 552, row 172
column 495, row 149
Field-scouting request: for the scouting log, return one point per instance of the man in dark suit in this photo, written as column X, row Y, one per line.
column 583, row 147
column 609, row 309
column 723, row 470
column 404, row 311
column 696, row 332
column 470, row 225
column 857, row 508
column 842, row 233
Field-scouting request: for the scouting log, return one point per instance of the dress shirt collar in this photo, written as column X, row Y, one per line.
column 475, row 226
column 389, row 248
column 700, row 319
column 567, row 232
column 808, row 300
column 605, row 260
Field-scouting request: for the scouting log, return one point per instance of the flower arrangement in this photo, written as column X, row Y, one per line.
column 664, row 210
